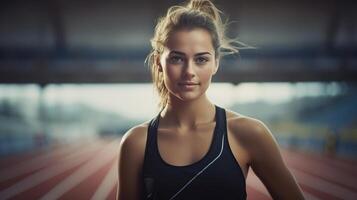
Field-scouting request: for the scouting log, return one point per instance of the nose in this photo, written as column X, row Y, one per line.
column 189, row 69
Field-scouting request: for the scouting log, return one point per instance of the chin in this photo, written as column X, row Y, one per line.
column 189, row 96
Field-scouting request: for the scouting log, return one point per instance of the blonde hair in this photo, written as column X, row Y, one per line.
column 194, row 14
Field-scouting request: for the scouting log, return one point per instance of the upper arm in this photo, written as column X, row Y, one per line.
column 268, row 164
column 131, row 156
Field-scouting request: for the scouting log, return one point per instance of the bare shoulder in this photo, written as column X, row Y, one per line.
column 131, row 158
column 265, row 157
column 248, row 129
column 253, row 136
column 134, row 139
column 136, row 133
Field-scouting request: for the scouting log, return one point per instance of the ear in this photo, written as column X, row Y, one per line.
column 216, row 67
column 158, row 63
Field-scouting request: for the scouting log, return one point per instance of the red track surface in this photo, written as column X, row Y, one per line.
column 88, row 171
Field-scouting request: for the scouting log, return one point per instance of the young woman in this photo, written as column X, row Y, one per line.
column 194, row 149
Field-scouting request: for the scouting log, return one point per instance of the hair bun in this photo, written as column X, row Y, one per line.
column 205, row 6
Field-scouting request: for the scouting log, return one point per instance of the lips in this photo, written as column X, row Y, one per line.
column 188, row 86
column 188, row 83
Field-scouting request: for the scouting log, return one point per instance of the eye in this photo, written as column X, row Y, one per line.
column 175, row 59
column 201, row 60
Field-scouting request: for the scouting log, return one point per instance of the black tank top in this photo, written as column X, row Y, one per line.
column 216, row 176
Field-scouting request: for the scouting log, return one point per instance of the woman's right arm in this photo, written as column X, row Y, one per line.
column 131, row 156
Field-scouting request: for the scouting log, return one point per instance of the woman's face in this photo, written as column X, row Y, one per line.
column 188, row 63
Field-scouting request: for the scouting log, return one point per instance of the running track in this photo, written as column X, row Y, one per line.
column 87, row 170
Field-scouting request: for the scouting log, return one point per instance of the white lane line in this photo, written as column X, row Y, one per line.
column 322, row 170
column 105, row 156
column 107, row 185
column 63, row 165
column 35, row 163
column 323, row 186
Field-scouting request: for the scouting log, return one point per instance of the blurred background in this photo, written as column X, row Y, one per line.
column 73, row 80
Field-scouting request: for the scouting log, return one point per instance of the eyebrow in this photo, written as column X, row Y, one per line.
column 197, row 54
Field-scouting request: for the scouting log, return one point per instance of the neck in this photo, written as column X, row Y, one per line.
column 188, row 114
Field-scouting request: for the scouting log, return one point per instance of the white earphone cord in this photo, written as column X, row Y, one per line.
column 200, row 172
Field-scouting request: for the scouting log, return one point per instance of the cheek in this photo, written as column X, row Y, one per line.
column 170, row 71
column 205, row 75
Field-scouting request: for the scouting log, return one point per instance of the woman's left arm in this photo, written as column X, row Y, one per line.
column 268, row 164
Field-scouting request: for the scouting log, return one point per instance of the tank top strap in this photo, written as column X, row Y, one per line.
column 150, row 151
column 221, row 121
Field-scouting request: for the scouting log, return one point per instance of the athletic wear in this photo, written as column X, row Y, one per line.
column 216, row 176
